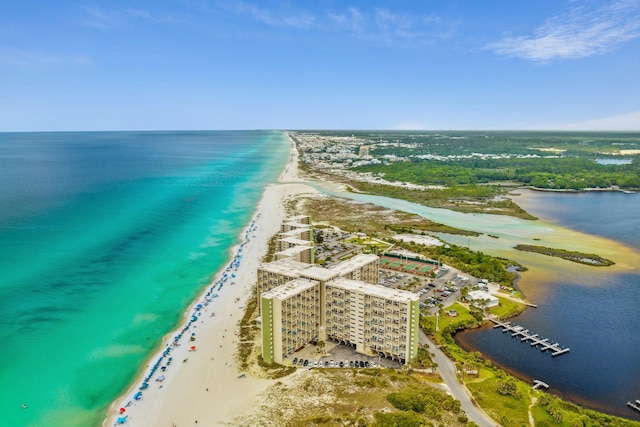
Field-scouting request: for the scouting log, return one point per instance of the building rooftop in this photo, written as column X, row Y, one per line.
column 285, row 266
column 357, row 261
column 374, row 290
column 319, row 273
column 476, row 295
column 297, row 224
column 295, row 241
column 290, row 289
column 293, row 251
column 298, row 218
column 294, row 233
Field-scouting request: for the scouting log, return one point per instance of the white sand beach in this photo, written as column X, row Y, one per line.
column 204, row 386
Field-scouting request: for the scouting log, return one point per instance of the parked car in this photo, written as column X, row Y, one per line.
column 306, row 362
column 295, row 361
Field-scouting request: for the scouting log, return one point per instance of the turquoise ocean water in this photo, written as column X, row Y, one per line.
column 105, row 239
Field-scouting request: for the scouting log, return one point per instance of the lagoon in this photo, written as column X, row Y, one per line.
column 592, row 310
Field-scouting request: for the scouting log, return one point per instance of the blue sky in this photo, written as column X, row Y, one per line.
column 207, row 64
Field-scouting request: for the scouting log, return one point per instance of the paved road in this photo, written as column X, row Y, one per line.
column 448, row 372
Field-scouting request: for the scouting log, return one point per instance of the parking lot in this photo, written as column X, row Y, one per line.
column 338, row 356
column 444, row 289
column 332, row 246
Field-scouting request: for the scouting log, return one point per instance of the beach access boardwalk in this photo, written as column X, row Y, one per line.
column 536, row 340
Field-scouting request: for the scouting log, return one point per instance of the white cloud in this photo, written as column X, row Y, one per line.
column 153, row 17
column 29, row 58
column 351, row 21
column 628, row 121
column 392, row 28
column 578, row 33
column 101, row 19
column 297, row 20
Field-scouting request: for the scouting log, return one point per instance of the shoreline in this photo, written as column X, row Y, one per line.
column 195, row 380
column 584, row 190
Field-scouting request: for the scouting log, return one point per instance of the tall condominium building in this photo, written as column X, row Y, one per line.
column 270, row 275
column 300, row 224
column 290, row 316
column 302, row 302
column 374, row 319
column 277, row 273
column 295, row 240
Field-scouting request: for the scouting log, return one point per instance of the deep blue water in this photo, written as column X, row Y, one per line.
column 598, row 317
column 105, row 239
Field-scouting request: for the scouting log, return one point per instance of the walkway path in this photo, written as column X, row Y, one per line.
column 448, row 372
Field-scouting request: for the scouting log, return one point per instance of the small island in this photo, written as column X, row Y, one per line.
column 579, row 257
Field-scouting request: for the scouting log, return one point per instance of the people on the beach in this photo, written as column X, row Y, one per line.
column 196, row 314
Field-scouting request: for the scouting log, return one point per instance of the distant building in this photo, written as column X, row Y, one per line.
column 363, row 151
column 477, row 296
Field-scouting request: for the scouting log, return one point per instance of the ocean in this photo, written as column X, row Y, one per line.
column 105, row 239
column 592, row 310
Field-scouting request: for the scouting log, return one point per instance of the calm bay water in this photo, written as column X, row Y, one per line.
column 594, row 311
column 596, row 315
column 105, row 239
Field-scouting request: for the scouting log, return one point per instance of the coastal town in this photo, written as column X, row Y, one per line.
column 268, row 213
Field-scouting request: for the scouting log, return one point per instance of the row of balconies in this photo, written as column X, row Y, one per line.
column 299, row 332
column 300, row 313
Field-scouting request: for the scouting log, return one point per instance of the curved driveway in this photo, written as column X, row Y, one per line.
column 448, row 373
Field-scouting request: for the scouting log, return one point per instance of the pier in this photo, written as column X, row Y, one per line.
column 525, row 335
column 635, row 405
column 538, row 384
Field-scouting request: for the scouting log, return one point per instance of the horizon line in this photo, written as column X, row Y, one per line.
column 328, row 130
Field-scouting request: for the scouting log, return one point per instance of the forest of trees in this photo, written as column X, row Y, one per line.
column 562, row 173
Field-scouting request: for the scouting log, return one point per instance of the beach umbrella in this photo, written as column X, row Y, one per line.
column 122, row 410
column 193, row 348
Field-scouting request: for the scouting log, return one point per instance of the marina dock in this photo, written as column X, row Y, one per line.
column 635, row 405
column 525, row 335
column 539, row 384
